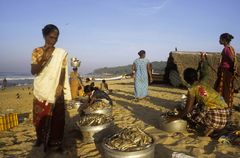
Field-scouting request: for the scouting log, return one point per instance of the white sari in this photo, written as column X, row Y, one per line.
column 45, row 83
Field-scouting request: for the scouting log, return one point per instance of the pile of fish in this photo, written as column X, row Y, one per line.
column 129, row 139
column 94, row 120
column 98, row 105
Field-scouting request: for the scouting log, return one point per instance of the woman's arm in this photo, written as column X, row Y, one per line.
column 38, row 65
column 60, row 86
column 133, row 70
column 149, row 69
column 189, row 105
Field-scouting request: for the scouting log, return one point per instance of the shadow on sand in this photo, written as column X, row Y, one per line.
column 168, row 104
column 69, row 142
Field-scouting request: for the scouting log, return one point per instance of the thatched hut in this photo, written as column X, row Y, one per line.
column 178, row 61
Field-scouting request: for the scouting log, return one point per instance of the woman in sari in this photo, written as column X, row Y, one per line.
column 141, row 70
column 204, row 106
column 76, row 84
column 51, row 88
column 227, row 70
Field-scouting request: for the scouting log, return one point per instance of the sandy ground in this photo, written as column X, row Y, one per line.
column 18, row 141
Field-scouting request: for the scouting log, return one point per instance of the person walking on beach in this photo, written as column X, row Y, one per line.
column 51, row 88
column 141, row 70
column 4, row 83
column 76, row 84
column 227, row 70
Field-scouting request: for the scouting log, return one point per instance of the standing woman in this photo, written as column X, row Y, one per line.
column 227, row 70
column 51, row 88
column 141, row 70
column 76, row 84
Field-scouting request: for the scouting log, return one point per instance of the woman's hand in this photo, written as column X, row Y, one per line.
column 150, row 79
column 48, row 50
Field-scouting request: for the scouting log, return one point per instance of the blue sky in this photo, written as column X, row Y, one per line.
column 111, row 32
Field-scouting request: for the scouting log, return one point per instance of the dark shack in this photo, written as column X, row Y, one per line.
column 178, row 61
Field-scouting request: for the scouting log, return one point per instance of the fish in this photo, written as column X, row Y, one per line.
column 98, row 105
column 94, row 120
column 129, row 139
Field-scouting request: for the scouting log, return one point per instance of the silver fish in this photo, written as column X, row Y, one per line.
column 129, row 139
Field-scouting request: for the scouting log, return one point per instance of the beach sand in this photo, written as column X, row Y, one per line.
column 18, row 141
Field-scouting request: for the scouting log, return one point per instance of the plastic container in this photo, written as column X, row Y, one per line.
column 1, row 123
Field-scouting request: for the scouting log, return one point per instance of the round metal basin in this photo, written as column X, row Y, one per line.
column 96, row 133
column 145, row 153
column 175, row 126
column 105, row 111
column 76, row 104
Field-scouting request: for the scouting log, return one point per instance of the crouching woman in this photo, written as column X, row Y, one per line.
column 204, row 105
column 94, row 95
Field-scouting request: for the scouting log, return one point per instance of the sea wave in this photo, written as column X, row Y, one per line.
column 19, row 78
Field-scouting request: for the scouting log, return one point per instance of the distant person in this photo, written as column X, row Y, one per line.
column 227, row 70
column 211, row 112
column 92, row 85
column 75, row 84
column 51, row 88
column 104, row 86
column 18, row 96
column 4, row 83
column 141, row 69
column 87, row 80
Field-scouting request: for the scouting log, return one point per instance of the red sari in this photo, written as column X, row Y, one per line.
column 226, row 75
column 42, row 114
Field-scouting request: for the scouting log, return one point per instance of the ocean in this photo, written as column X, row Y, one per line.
column 16, row 78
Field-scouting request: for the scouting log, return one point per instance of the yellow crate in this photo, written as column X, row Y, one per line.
column 7, row 121
column 11, row 118
column 1, row 123
column 15, row 119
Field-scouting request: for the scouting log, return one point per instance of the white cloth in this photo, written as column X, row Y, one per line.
column 45, row 83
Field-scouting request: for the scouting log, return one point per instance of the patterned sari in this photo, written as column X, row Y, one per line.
column 141, row 78
column 212, row 111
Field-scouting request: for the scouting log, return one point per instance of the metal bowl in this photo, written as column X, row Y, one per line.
column 76, row 104
column 145, row 153
column 175, row 126
column 96, row 133
column 75, row 62
column 105, row 111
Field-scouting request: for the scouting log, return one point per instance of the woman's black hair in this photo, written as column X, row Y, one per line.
column 227, row 37
column 190, row 75
column 88, row 89
column 141, row 52
column 49, row 28
column 103, row 81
